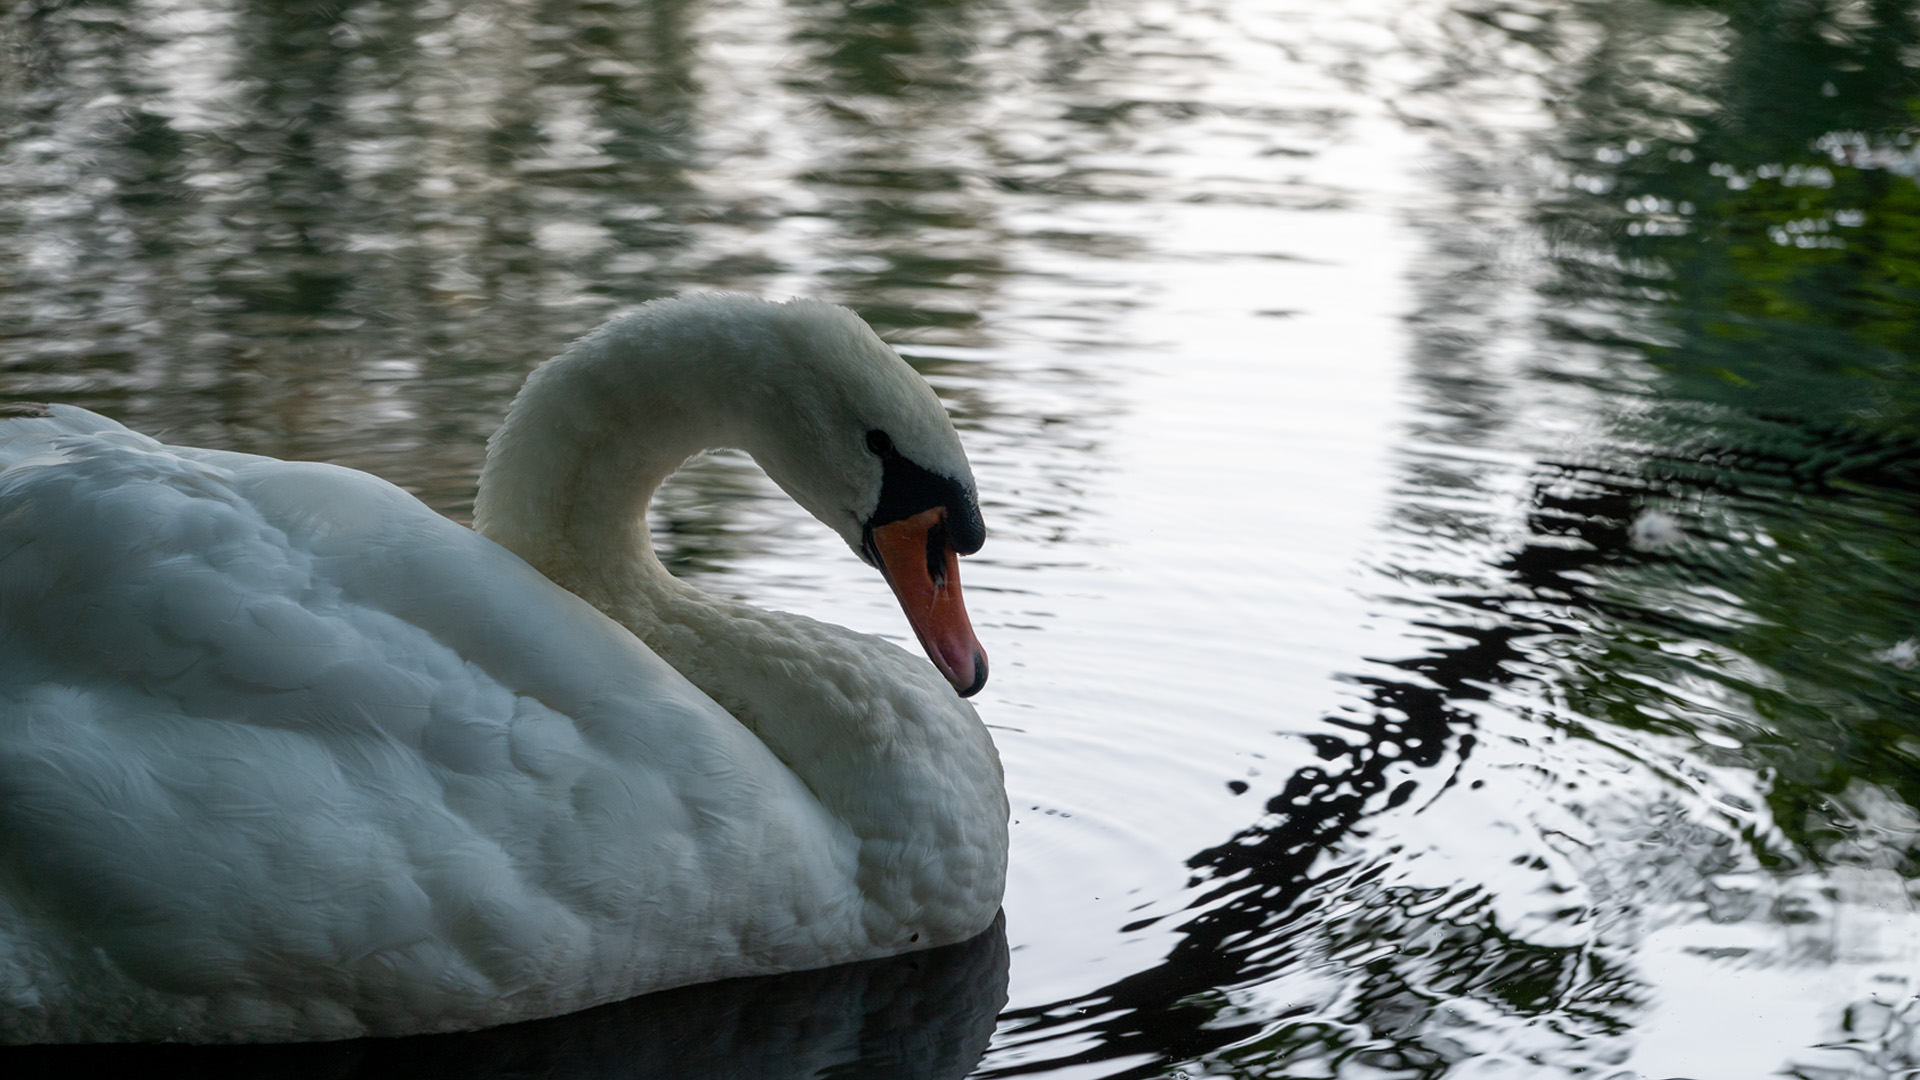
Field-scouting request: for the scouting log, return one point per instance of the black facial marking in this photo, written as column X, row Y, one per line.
column 937, row 554
column 907, row 489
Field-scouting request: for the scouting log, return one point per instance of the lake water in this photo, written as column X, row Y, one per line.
column 1452, row 469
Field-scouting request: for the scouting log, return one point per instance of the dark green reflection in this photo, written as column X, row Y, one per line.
column 1751, row 223
column 1773, row 212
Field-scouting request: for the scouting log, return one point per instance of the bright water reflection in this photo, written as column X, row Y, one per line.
column 1452, row 467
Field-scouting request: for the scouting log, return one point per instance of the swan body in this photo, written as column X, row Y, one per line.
column 285, row 755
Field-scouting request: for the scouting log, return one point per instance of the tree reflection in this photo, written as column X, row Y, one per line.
column 1757, row 220
column 1769, row 211
column 346, row 231
column 917, row 244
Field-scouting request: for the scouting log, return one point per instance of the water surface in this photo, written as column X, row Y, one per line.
column 1451, row 467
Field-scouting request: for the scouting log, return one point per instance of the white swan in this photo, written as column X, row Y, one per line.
column 285, row 755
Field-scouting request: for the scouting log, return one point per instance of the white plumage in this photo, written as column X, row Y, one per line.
column 286, row 755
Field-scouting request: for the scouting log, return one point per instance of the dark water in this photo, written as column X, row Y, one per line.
column 1453, row 469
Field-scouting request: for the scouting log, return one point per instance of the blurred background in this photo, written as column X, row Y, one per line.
column 1452, row 467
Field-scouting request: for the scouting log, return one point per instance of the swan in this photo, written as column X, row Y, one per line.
column 287, row 756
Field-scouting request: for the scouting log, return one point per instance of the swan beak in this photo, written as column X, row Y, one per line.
column 924, row 572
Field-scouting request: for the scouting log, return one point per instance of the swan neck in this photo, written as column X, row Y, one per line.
column 587, row 442
column 874, row 733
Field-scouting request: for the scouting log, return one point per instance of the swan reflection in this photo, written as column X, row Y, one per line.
column 923, row 1016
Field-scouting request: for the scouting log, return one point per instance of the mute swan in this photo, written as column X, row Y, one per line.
column 285, row 755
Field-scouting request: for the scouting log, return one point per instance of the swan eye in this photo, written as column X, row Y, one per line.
column 878, row 442
column 937, row 554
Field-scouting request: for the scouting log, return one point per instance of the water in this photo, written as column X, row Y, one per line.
column 1452, row 468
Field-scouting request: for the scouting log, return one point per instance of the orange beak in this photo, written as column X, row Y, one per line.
column 924, row 572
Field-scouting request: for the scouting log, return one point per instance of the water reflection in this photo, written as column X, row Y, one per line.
column 913, row 236
column 318, row 220
column 1271, row 905
column 921, row 1017
column 1675, row 575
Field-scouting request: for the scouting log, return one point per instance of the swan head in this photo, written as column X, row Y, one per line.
column 830, row 411
column 856, row 436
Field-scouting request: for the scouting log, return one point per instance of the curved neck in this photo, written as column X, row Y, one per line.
column 874, row 732
column 566, row 486
column 596, row 431
column 587, row 442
